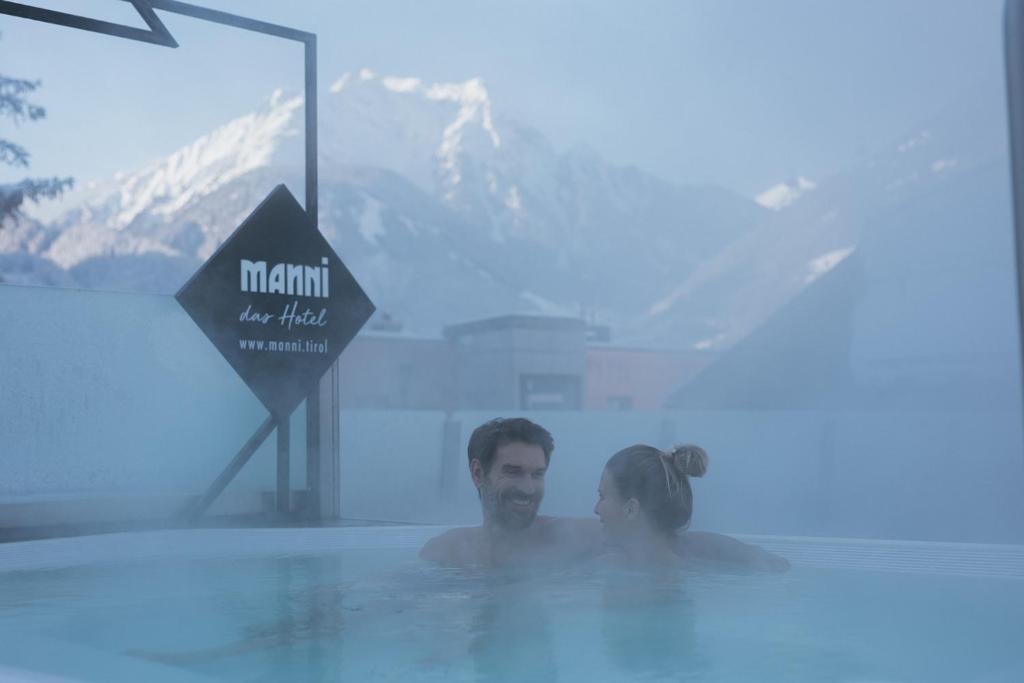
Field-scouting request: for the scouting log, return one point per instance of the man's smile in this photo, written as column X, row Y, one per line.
column 520, row 501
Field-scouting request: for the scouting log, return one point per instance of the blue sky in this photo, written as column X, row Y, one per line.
column 740, row 94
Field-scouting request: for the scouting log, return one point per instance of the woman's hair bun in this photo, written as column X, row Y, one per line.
column 689, row 460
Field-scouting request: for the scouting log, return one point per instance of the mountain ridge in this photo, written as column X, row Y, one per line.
column 447, row 210
column 408, row 169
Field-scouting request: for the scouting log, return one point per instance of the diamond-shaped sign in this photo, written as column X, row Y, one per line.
column 277, row 302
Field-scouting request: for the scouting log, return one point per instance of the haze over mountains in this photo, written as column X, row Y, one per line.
column 446, row 210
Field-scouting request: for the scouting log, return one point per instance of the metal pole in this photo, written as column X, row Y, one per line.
column 1013, row 45
column 157, row 33
column 313, row 403
column 313, row 454
column 197, row 509
column 284, row 483
column 312, row 179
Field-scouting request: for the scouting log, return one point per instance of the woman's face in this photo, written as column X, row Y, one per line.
column 614, row 512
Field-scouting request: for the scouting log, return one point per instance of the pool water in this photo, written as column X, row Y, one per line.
column 382, row 615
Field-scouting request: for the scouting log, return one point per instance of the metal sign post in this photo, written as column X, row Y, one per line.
column 322, row 405
column 280, row 306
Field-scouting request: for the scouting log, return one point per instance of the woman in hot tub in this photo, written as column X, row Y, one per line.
column 645, row 503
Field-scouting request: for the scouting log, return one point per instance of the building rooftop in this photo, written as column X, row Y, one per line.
column 514, row 322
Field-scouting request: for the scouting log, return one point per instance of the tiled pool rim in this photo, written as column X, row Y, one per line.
column 917, row 557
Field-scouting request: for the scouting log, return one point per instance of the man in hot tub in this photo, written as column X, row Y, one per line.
column 508, row 459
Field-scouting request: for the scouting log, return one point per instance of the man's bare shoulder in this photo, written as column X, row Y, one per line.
column 452, row 547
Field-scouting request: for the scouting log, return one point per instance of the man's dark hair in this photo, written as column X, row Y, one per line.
column 490, row 436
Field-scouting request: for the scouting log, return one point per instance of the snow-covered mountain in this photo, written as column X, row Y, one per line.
column 441, row 207
column 890, row 288
column 817, row 224
column 446, row 210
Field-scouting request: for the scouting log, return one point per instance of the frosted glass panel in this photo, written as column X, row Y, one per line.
column 108, row 393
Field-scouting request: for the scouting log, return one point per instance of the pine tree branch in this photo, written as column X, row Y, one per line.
column 13, row 195
column 12, row 154
column 12, row 100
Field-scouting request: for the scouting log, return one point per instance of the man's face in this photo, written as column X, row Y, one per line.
column 513, row 488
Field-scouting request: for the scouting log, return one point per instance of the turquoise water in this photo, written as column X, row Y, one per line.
column 382, row 615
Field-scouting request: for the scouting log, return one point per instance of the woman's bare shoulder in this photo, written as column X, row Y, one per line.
column 705, row 545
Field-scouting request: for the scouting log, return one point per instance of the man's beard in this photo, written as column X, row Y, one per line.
column 500, row 510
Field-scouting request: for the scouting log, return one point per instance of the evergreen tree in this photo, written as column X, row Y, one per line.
column 15, row 107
